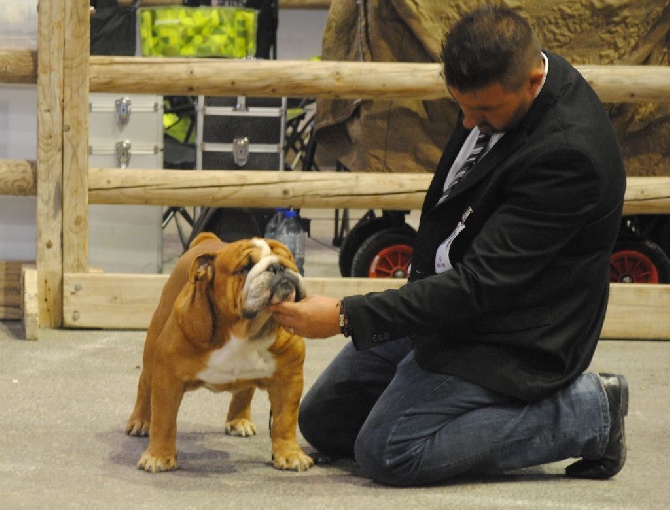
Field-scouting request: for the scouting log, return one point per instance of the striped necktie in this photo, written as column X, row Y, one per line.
column 477, row 152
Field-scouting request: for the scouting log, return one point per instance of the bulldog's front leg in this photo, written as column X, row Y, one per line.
column 285, row 402
column 239, row 422
column 138, row 423
column 166, row 395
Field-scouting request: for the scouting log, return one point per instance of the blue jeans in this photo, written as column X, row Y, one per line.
column 405, row 426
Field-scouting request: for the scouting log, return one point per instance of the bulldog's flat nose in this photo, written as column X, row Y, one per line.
column 276, row 268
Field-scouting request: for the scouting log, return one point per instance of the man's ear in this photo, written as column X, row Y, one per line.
column 193, row 309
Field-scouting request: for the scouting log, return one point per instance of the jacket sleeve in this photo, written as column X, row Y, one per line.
column 522, row 247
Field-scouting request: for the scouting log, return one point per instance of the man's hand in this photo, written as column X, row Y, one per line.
column 313, row 317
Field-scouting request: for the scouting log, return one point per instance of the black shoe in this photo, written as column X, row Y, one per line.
column 616, row 388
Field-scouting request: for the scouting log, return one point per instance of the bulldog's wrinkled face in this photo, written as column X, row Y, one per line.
column 250, row 274
column 271, row 277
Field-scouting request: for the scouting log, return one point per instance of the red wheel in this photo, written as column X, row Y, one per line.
column 386, row 254
column 639, row 261
column 391, row 262
column 630, row 266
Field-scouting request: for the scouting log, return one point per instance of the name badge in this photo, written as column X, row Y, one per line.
column 442, row 261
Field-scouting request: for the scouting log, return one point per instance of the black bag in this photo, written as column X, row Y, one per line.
column 113, row 29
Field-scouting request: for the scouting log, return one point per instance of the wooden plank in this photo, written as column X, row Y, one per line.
column 75, row 137
column 334, row 79
column 18, row 66
column 29, row 304
column 10, row 272
column 50, row 162
column 10, row 290
column 125, row 301
column 325, row 79
column 10, row 313
column 18, row 177
column 647, row 196
column 638, row 311
column 110, row 301
column 644, row 195
column 253, row 188
column 256, row 188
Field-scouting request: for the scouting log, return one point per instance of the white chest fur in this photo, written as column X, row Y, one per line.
column 239, row 359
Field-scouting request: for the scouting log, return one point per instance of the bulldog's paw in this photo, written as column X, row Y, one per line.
column 241, row 427
column 292, row 460
column 137, row 427
column 157, row 464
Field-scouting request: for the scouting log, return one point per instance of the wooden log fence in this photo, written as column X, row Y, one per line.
column 326, row 79
column 262, row 188
column 68, row 295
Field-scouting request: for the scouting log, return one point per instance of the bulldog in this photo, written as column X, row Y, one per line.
column 212, row 329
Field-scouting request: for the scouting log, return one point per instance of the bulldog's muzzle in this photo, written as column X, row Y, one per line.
column 270, row 282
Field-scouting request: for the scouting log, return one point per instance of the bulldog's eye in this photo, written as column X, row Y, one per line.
column 244, row 269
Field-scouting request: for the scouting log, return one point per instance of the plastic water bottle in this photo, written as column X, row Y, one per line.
column 274, row 223
column 291, row 233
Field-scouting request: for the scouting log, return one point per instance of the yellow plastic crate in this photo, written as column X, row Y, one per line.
column 198, row 31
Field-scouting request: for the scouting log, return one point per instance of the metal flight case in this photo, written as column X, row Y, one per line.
column 238, row 133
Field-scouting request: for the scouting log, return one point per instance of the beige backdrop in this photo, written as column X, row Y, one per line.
column 408, row 135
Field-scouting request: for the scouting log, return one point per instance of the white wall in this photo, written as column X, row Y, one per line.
column 299, row 37
column 300, row 33
column 18, row 140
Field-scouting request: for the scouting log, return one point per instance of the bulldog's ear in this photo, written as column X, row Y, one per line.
column 193, row 308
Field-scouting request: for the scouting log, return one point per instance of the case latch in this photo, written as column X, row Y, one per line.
column 241, row 151
column 122, row 112
column 241, row 105
column 123, row 153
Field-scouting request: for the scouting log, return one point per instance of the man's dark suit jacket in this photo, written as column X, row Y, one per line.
column 523, row 308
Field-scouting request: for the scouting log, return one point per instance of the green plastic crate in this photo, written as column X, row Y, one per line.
column 198, row 32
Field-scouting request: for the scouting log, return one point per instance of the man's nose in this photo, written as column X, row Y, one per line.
column 470, row 120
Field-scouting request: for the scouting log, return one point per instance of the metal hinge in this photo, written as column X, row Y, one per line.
column 241, row 105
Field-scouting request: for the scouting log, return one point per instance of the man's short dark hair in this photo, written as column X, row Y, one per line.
column 492, row 44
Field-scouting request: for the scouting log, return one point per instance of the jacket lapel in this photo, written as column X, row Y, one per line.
column 448, row 156
column 507, row 145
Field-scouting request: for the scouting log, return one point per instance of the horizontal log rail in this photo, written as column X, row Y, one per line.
column 18, row 177
column 263, row 188
column 18, row 66
column 276, row 78
column 127, row 301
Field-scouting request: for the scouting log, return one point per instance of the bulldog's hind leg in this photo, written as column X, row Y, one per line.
column 238, row 422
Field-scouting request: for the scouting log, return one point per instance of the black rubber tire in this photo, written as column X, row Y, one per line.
column 633, row 259
column 355, row 237
column 379, row 242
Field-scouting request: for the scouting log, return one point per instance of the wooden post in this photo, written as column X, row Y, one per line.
column 75, row 137
column 50, row 67
column 62, row 161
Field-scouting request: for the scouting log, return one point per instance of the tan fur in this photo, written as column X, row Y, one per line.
column 198, row 313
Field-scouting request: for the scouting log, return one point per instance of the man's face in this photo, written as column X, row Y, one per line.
column 495, row 109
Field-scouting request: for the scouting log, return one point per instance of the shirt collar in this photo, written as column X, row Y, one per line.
column 546, row 72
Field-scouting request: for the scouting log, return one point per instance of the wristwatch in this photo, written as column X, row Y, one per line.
column 345, row 327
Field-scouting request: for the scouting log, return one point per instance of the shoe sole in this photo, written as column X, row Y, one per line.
column 624, row 394
column 623, row 383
